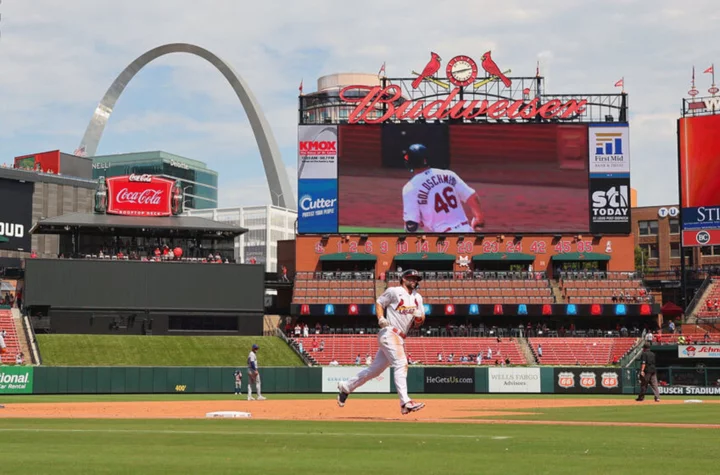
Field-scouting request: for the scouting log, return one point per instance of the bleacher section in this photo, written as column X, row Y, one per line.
column 336, row 288
column 584, row 351
column 597, row 287
column 487, row 291
column 345, row 348
column 710, row 306
column 11, row 337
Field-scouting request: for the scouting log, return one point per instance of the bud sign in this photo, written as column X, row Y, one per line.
column 139, row 195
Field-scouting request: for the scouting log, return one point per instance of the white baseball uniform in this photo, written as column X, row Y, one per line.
column 434, row 198
column 254, row 377
column 399, row 308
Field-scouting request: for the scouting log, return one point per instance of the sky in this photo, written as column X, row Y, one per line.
column 57, row 59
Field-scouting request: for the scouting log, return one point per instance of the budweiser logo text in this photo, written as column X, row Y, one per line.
column 377, row 98
column 149, row 197
column 141, row 178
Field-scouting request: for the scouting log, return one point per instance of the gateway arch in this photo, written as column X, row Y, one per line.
column 280, row 191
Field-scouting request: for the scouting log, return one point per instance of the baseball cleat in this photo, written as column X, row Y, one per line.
column 342, row 395
column 261, row 398
column 250, row 398
column 412, row 406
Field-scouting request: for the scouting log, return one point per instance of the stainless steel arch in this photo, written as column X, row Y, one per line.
column 280, row 191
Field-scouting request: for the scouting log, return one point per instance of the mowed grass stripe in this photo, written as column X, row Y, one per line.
column 282, row 447
column 131, row 350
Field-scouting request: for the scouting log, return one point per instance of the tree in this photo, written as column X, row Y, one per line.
column 641, row 259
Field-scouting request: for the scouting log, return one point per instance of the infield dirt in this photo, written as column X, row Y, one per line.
column 437, row 410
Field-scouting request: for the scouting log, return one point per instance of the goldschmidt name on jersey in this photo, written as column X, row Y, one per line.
column 433, row 181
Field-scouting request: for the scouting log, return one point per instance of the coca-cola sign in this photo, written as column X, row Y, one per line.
column 141, row 178
column 139, row 195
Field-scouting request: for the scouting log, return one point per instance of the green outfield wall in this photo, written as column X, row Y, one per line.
column 421, row 380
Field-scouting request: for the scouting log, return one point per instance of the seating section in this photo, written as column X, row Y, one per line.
column 11, row 337
column 344, row 288
column 490, row 291
column 689, row 336
column 710, row 306
column 345, row 348
column 613, row 287
column 584, row 351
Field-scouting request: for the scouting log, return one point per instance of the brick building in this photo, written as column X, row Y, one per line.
column 657, row 233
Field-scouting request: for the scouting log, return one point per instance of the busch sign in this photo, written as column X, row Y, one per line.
column 139, row 195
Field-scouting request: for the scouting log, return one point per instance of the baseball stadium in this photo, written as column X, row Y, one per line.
column 466, row 288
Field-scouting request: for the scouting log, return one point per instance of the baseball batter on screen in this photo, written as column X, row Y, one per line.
column 398, row 309
column 432, row 198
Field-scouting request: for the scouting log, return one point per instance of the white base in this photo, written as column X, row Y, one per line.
column 693, row 401
column 229, row 414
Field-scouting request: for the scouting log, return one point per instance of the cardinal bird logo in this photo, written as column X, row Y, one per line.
column 430, row 69
column 492, row 69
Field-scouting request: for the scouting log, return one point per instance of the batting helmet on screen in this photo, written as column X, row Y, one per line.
column 416, row 156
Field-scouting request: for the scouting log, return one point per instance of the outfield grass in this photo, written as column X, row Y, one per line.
column 293, row 447
column 126, row 350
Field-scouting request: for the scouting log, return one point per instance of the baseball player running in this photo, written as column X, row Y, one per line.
column 254, row 375
column 398, row 309
column 432, row 198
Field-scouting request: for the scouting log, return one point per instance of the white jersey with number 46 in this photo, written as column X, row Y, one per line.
column 434, row 198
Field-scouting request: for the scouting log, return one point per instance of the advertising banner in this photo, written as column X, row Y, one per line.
column 587, row 381
column 15, row 215
column 514, row 380
column 317, row 151
column 689, row 390
column 609, row 150
column 698, row 351
column 610, row 206
column 450, row 380
column 317, row 206
column 47, row 162
column 139, row 195
column 700, row 177
column 701, row 237
column 16, row 379
column 332, row 375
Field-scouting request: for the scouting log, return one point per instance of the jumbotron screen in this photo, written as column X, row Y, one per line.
column 438, row 178
column 463, row 178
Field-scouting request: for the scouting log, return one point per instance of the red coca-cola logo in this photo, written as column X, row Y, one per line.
column 149, row 197
column 139, row 195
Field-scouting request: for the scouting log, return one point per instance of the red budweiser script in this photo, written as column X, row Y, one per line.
column 139, row 195
column 377, row 97
column 321, row 147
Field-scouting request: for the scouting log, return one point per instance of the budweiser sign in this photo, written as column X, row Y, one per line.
column 450, row 108
column 462, row 72
column 139, row 195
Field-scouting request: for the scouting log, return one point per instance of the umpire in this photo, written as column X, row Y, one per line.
column 648, row 373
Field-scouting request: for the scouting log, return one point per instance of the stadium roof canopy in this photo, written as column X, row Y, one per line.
column 190, row 227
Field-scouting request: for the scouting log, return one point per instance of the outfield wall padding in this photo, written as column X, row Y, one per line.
column 159, row 380
column 431, row 379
